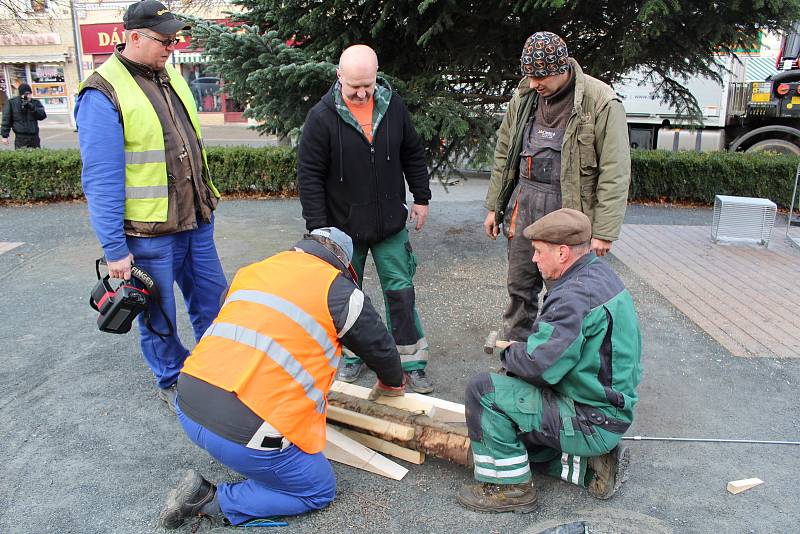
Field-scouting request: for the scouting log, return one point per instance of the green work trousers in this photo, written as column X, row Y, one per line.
column 396, row 265
column 516, row 427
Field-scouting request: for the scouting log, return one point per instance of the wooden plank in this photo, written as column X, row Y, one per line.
column 444, row 411
column 346, row 450
column 386, row 447
column 367, row 422
column 407, row 402
column 5, row 246
column 738, row 486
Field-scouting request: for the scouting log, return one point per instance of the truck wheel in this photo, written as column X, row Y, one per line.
column 780, row 146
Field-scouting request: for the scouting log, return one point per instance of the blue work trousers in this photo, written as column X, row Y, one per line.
column 279, row 483
column 189, row 258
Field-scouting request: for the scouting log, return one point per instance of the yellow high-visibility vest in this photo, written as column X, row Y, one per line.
column 146, row 189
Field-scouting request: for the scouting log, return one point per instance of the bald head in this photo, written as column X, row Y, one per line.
column 358, row 72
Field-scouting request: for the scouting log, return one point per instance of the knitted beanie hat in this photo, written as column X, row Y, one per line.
column 544, row 54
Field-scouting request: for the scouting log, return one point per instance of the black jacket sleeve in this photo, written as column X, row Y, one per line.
column 5, row 130
column 313, row 162
column 361, row 330
column 38, row 110
column 412, row 156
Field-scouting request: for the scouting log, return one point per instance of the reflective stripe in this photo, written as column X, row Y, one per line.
column 483, row 459
column 147, row 191
column 564, row 467
column 422, row 344
column 354, row 307
column 148, row 156
column 275, row 352
column 296, row 314
column 576, row 469
column 418, row 352
column 502, row 474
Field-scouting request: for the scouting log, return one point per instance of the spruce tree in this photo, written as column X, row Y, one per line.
column 456, row 62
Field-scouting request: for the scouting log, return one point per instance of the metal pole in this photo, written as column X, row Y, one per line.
column 76, row 35
column 712, row 440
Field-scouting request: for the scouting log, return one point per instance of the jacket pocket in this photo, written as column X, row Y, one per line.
column 586, row 152
column 362, row 222
column 393, row 215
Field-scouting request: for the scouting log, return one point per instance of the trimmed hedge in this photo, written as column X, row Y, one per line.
column 31, row 175
column 35, row 175
column 659, row 175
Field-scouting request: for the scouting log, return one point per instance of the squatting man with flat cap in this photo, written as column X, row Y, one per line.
column 563, row 142
column 565, row 397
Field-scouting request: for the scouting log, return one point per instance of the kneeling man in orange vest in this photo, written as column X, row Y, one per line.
column 253, row 393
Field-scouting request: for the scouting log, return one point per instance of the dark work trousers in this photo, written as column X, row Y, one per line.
column 396, row 265
column 531, row 201
column 27, row 141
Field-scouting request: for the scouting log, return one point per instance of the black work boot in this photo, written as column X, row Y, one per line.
column 418, row 381
column 350, row 372
column 187, row 500
column 486, row 497
column 609, row 472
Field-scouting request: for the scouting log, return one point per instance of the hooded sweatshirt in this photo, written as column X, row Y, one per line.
column 354, row 184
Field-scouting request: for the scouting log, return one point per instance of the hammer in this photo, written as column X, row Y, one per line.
column 492, row 343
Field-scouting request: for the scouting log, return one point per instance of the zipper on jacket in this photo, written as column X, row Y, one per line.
column 377, row 192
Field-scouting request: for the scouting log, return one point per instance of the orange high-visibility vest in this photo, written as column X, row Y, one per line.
column 275, row 346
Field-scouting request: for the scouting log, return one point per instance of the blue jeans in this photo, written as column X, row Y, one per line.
column 190, row 259
column 279, row 483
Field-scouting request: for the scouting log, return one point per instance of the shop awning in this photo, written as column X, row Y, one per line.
column 759, row 68
column 189, row 57
column 35, row 58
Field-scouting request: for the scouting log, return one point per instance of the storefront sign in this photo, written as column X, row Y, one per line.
column 102, row 38
column 23, row 39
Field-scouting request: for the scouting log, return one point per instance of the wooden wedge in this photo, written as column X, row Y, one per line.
column 386, row 447
column 738, row 486
column 345, row 450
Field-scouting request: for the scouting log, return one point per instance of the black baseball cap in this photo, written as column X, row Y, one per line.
column 152, row 15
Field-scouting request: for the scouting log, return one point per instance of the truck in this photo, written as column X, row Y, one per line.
column 755, row 107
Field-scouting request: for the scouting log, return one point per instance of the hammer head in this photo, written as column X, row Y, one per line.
column 491, row 340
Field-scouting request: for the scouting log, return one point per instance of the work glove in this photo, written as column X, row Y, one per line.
column 381, row 389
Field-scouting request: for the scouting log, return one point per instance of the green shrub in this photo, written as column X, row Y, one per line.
column 29, row 175
column 247, row 170
column 32, row 174
column 696, row 177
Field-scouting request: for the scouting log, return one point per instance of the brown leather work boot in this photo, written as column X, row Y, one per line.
column 609, row 472
column 485, row 497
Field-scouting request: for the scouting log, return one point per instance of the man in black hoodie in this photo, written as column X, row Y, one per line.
column 22, row 114
column 357, row 152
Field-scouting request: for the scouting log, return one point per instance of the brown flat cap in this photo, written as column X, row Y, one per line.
column 562, row 227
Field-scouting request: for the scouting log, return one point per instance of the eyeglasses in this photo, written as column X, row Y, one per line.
column 164, row 42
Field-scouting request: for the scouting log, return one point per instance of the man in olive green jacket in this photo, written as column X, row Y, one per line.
column 563, row 142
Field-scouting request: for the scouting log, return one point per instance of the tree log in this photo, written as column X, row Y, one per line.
column 434, row 438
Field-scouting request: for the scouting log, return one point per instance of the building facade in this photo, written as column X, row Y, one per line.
column 52, row 47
